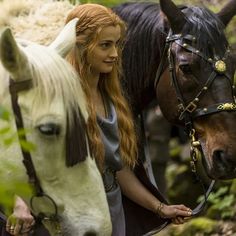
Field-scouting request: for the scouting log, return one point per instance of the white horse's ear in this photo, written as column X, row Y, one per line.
column 66, row 39
column 13, row 58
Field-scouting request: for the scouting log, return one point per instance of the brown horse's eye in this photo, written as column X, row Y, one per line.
column 186, row 69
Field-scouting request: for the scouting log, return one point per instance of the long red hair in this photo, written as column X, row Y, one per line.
column 92, row 19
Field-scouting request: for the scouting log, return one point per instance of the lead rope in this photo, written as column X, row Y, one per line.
column 196, row 154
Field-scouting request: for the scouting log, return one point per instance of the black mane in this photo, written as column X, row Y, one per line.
column 145, row 41
column 208, row 30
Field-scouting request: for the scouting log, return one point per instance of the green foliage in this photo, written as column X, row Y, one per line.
column 221, row 204
column 10, row 183
column 4, row 114
column 8, row 136
column 108, row 3
column 201, row 226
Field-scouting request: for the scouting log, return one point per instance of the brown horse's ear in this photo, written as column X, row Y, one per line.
column 227, row 13
column 175, row 16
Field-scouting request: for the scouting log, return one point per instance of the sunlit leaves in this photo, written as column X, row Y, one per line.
column 4, row 114
column 10, row 182
column 10, row 185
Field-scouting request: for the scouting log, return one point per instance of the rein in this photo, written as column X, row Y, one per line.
column 190, row 111
column 15, row 88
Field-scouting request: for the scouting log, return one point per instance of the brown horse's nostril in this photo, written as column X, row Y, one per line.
column 220, row 158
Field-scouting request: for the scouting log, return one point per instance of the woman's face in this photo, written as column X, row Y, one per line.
column 104, row 55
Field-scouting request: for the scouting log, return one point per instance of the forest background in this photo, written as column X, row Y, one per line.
column 43, row 16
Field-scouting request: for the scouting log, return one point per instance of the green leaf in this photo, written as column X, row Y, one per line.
column 5, row 130
column 27, row 146
column 9, row 141
column 22, row 132
column 4, row 114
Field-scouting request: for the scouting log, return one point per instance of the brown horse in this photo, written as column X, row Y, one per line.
column 180, row 56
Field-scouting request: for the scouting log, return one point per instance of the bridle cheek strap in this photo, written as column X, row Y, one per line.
column 14, row 88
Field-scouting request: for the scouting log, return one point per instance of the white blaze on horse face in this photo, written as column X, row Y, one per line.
column 77, row 191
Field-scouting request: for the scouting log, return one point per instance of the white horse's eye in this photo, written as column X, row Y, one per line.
column 49, row 129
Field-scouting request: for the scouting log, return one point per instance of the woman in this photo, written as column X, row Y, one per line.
column 97, row 58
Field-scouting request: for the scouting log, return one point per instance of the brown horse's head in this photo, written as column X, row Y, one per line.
column 198, row 85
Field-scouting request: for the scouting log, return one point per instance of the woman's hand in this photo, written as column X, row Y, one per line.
column 21, row 219
column 178, row 213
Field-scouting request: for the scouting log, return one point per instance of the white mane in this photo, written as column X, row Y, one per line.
column 58, row 80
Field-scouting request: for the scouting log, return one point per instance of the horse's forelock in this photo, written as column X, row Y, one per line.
column 207, row 28
column 58, row 80
column 55, row 78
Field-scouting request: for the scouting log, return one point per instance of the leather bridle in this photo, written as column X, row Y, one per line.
column 15, row 88
column 191, row 110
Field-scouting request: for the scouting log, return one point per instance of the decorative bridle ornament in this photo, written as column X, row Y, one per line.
column 220, row 66
column 227, row 107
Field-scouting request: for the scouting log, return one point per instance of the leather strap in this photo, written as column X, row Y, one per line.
column 202, row 204
column 27, row 159
column 215, row 108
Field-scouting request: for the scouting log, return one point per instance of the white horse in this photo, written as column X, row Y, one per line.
column 48, row 93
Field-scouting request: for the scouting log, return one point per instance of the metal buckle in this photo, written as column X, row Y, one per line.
column 109, row 179
column 191, row 107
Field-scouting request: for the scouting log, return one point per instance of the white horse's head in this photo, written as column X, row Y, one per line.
column 53, row 110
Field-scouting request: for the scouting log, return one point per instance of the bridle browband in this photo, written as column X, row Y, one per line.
column 191, row 110
column 14, row 89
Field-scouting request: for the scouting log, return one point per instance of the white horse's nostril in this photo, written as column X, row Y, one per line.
column 90, row 233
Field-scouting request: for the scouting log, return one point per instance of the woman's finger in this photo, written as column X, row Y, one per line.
column 12, row 229
column 27, row 225
column 182, row 207
column 178, row 220
column 18, row 228
column 10, row 226
column 185, row 213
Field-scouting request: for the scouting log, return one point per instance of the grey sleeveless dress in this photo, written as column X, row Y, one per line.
column 113, row 163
